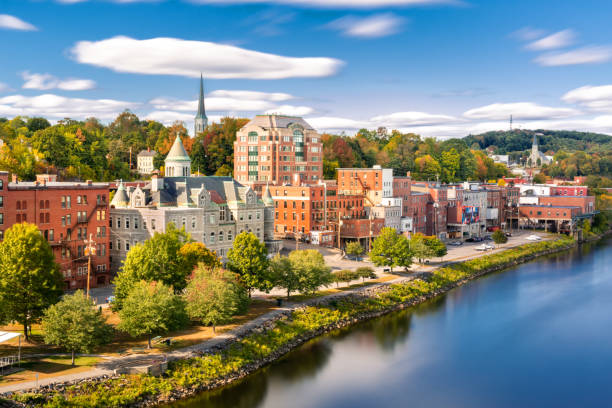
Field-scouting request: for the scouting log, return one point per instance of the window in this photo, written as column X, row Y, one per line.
column 110, row 246
column 212, row 237
column 211, row 219
column 229, row 235
column 184, row 222
column 1, row 184
column 193, row 223
column 50, row 238
column 127, row 222
column 127, row 245
column 153, row 224
column 1, row 218
column 63, row 221
column 220, row 236
column 67, row 201
column 68, row 220
column 63, row 200
column 118, row 245
column 78, row 199
column 47, row 218
column 135, row 222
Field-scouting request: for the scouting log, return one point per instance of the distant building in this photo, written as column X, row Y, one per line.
column 537, row 158
column 144, row 161
column 213, row 210
column 277, row 149
column 201, row 120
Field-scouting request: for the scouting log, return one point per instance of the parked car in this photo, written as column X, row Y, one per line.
column 484, row 247
column 455, row 243
column 533, row 238
column 508, row 234
column 471, row 239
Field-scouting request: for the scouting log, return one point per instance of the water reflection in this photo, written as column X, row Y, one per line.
column 538, row 335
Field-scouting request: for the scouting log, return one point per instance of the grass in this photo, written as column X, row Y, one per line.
column 49, row 367
column 196, row 372
column 341, row 288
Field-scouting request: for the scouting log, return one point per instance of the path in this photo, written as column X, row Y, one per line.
column 108, row 366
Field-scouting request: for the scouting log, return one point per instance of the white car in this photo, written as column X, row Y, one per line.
column 533, row 238
column 484, row 247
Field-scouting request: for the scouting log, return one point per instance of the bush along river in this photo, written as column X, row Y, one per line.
column 274, row 339
column 537, row 335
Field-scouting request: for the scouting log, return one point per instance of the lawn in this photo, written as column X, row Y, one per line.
column 49, row 367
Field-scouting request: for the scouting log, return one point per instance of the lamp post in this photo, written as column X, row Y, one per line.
column 339, row 227
column 90, row 249
column 435, row 206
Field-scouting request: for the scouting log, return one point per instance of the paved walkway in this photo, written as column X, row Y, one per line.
column 456, row 254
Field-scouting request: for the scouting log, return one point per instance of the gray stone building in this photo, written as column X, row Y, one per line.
column 213, row 210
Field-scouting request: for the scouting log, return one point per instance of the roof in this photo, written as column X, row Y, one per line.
column 121, row 199
column 267, row 197
column 178, row 152
column 549, row 206
column 6, row 336
column 278, row 121
column 58, row 185
column 179, row 191
column 147, row 153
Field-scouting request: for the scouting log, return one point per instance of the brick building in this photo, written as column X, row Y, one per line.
column 67, row 213
column 375, row 183
column 585, row 203
column 569, row 190
column 274, row 148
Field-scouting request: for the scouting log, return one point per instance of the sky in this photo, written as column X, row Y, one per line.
column 441, row 68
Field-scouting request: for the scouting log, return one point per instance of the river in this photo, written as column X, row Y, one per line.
column 538, row 335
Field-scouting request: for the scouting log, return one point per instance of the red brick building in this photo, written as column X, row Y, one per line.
column 585, row 203
column 548, row 217
column 569, row 190
column 67, row 213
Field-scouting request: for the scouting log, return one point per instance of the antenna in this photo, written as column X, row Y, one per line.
column 511, row 123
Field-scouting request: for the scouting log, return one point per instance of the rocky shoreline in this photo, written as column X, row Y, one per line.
column 368, row 292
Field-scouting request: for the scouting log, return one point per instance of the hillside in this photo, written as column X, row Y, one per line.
column 506, row 142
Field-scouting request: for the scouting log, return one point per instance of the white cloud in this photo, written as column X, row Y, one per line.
column 13, row 23
column 353, row 4
column 519, row 110
column 584, row 55
column 598, row 98
column 47, row 81
column 528, row 33
column 4, row 87
column 236, row 101
column 557, row 40
column 379, row 25
column 403, row 119
column 328, row 123
column 251, row 95
column 54, row 106
column 174, row 56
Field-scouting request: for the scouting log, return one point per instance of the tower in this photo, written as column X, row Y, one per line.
column 177, row 163
column 201, row 121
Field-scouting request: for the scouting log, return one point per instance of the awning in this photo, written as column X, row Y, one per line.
column 6, row 336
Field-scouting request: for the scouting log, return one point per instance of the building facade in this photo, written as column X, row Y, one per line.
column 67, row 214
column 213, row 210
column 144, row 162
column 277, row 149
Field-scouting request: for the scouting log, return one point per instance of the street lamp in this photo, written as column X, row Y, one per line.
column 339, row 227
column 435, row 206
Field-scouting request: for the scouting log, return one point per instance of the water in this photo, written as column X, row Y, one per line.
column 539, row 335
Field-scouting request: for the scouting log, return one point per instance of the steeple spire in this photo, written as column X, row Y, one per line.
column 201, row 121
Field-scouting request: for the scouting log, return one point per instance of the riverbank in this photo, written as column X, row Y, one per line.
column 275, row 338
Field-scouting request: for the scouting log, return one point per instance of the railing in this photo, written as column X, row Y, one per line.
column 8, row 361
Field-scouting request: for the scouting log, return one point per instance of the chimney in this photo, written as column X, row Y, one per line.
column 14, row 178
column 89, row 182
column 148, row 149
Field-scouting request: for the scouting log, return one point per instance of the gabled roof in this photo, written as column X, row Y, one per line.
column 147, row 153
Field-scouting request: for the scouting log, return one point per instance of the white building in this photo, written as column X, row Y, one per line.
column 144, row 161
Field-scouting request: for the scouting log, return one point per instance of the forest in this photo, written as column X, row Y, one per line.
column 89, row 149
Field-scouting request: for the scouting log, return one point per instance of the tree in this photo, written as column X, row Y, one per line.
column 30, row 279
column 214, row 295
column 365, row 272
column 151, row 308
column 345, row 275
column 391, row 249
column 76, row 324
column 539, row 179
column 354, row 248
column 284, row 275
column 248, row 257
column 419, row 247
column 438, row 248
column 310, row 266
column 194, row 253
column 499, row 237
column 157, row 259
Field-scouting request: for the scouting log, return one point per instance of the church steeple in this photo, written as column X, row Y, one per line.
column 201, row 121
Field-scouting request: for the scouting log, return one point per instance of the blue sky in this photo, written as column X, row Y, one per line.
column 439, row 68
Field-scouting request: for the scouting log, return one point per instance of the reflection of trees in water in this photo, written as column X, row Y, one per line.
column 430, row 306
column 391, row 329
column 247, row 393
column 303, row 362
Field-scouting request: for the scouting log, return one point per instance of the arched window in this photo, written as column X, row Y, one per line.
column 252, row 136
column 212, row 237
column 220, row 236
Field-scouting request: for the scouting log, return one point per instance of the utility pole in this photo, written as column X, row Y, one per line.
column 90, row 249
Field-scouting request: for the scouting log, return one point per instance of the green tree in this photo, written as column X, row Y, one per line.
column 450, row 163
column 354, row 248
column 539, row 179
column 214, row 295
column 194, row 253
column 75, row 324
column 30, row 279
column 345, row 275
column 365, row 272
column 420, row 249
column 499, row 237
column 248, row 257
column 391, row 249
column 157, row 259
column 151, row 308
column 284, row 275
column 438, row 248
column 310, row 266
